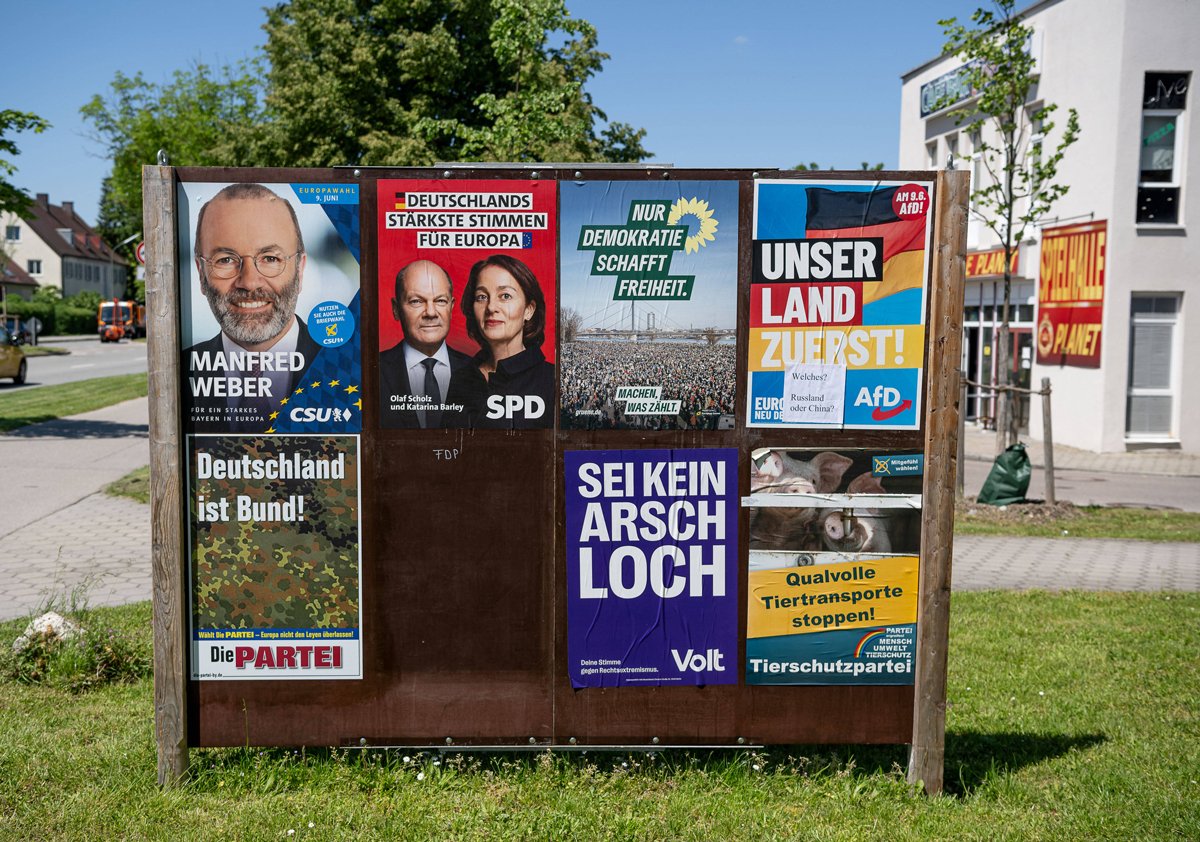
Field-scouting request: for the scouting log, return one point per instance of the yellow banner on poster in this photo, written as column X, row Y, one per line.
column 857, row 346
column 829, row 597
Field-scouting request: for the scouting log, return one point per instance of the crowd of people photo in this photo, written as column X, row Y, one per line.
column 699, row 375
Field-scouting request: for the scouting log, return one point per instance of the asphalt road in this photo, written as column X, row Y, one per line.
column 88, row 358
column 1093, row 488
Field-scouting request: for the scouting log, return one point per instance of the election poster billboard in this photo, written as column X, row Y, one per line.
column 275, row 557
column 269, row 300
column 837, row 304
column 834, row 553
column 467, row 310
column 1071, row 294
column 649, row 298
column 651, row 567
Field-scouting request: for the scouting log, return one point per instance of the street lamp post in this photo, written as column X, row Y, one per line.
column 113, row 250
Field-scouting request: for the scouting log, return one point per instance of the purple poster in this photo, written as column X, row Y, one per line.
column 651, row 573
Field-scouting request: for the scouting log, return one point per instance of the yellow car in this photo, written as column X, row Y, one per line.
column 12, row 358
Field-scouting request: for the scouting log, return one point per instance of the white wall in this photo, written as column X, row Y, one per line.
column 1094, row 56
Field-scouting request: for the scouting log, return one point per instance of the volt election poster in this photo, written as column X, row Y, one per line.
column 837, row 304
column 651, row 567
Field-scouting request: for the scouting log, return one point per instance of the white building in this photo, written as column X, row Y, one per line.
column 57, row 248
column 1126, row 66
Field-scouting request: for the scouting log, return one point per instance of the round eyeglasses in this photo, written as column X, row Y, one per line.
column 227, row 265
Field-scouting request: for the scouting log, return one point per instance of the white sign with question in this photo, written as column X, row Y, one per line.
column 814, row 393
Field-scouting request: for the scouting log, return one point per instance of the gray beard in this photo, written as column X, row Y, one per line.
column 248, row 329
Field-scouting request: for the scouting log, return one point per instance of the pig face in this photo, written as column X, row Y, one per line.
column 774, row 528
column 862, row 533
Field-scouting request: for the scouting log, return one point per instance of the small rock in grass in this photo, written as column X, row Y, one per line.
column 50, row 626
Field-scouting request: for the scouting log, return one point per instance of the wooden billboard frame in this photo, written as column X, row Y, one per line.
column 942, row 372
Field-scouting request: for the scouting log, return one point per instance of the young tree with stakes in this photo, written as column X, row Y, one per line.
column 1009, row 135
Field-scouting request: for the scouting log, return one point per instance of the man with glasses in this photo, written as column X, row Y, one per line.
column 423, row 381
column 250, row 260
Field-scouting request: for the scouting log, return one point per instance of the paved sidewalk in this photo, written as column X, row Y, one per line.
column 98, row 547
column 1090, row 564
column 980, row 445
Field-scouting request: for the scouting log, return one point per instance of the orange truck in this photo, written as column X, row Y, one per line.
column 116, row 319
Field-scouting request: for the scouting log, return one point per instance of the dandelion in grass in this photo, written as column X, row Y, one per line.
column 420, row 776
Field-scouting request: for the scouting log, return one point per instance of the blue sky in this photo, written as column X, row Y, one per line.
column 766, row 83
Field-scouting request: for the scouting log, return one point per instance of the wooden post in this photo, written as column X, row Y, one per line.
column 166, row 500
column 926, row 760
column 1048, row 441
column 960, row 491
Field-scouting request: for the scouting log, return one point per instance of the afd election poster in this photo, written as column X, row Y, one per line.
column 832, row 582
column 649, row 298
column 275, row 557
column 270, row 317
column 651, row 573
column 1071, row 294
column 837, row 304
column 467, row 312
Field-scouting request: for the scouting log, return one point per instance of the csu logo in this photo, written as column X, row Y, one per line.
column 885, row 400
column 304, row 414
column 507, row 406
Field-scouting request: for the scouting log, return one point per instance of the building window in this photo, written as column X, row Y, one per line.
column 931, row 151
column 1150, row 411
column 33, row 267
column 12, row 233
column 1164, row 100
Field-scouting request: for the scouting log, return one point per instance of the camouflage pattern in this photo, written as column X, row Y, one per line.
column 277, row 575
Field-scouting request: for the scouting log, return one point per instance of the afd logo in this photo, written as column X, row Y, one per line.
column 321, row 415
column 692, row 660
column 885, row 401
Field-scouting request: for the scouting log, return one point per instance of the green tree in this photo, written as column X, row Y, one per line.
column 201, row 117
column 813, row 165
column 117, row 225
column 411, row 82
column 12, row 198
column 1011, row 139
column 372, row 82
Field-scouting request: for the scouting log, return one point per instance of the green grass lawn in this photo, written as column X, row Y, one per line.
column 44, row 351
column 45, row 403
column 1079, row 522
column 134, row 485
column 1070, row 716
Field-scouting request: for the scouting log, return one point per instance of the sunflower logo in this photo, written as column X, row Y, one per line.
column 706, row 226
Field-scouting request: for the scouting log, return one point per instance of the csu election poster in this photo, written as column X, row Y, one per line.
column 270, row 320
column 651, row 567
column 649, row 298
column 837, row 304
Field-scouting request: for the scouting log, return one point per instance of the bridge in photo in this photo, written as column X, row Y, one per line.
column 699, row 334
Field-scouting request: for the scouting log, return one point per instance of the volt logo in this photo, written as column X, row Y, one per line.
column 692, row 660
